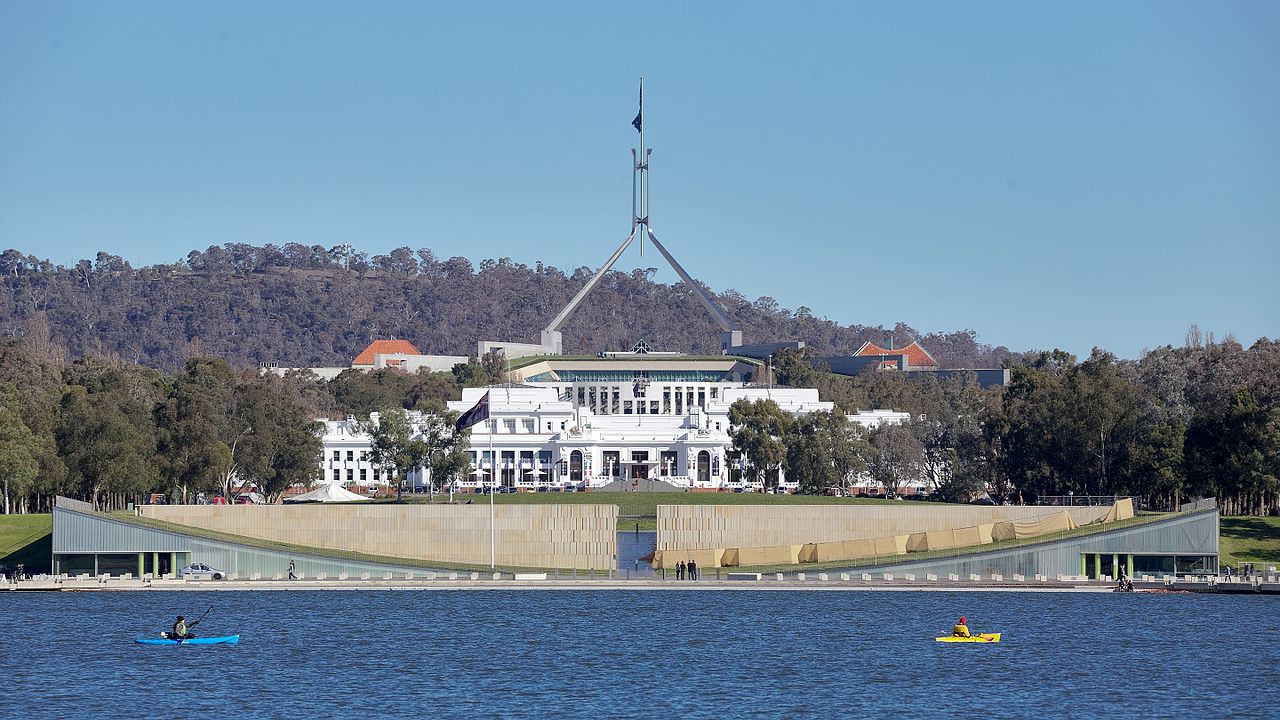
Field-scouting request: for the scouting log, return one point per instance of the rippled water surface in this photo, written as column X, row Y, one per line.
column 633, row 654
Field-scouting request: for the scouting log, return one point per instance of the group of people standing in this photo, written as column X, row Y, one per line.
column 687, row 571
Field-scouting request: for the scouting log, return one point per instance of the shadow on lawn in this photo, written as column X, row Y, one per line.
column 1250, row 529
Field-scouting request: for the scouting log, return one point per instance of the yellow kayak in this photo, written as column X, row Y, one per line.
column 981, row 638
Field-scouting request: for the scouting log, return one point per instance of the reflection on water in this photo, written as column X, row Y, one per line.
column 634, row 653
column 631, row 547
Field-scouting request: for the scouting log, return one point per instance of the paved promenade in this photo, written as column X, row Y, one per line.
column 507, row 582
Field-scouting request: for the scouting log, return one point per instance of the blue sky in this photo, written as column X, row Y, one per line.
column 1072, row 175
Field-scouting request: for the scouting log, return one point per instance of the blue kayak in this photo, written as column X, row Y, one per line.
column 224, row 640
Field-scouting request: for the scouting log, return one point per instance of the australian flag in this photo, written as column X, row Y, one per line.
column 477, row 414
column 636, row 123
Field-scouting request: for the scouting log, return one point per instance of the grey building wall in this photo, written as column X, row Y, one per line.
column 87, row 533
column 1188, row 534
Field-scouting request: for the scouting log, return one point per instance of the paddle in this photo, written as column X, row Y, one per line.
column 197, row 622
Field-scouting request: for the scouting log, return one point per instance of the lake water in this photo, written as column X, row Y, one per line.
column 640, row 654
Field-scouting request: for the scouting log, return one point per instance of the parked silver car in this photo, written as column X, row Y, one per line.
column 201, row 570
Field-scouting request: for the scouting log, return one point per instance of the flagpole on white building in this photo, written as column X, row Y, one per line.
column 493, row 477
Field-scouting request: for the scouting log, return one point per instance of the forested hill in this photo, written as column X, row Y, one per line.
column 311, row 306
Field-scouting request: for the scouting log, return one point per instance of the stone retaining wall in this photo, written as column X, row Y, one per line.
column 540, row 536
column 690, row 527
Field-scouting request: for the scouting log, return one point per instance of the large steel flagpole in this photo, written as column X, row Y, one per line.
column 489, row 422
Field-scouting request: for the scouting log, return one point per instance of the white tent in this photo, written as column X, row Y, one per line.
column 326, row 493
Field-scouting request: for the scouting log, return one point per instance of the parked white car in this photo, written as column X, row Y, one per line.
column 201, row 570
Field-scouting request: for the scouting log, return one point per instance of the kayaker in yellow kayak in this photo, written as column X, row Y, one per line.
column 961, row 629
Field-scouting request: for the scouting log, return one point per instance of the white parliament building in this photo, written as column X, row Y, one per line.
column 613, row 422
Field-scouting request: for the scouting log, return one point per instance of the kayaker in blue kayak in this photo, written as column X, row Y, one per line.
column 182, row 631
column 961, row 629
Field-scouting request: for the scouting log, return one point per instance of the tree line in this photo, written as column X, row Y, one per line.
column 310, row 306
column 1202, row 420
column 110, row 432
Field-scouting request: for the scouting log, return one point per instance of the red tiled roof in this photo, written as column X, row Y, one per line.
column 916, row 355
column 384, row 347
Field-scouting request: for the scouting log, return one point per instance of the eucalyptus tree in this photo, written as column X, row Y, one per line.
column 279, row 443
column 824, row 450
column 394, row 445
column 898, row 458
column 18, row 448
column 759, row 430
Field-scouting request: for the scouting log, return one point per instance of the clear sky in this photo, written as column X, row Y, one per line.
column 1050, row 175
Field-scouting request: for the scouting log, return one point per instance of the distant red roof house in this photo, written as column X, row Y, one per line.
column 917, row 357
column 383, row 347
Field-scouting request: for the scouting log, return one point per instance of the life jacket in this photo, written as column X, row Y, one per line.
column 961, row 631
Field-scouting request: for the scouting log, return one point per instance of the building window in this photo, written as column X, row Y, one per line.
column 704, row 466
column 668, row 461
column 575, row 466
column 508, row 466
column 612, row 462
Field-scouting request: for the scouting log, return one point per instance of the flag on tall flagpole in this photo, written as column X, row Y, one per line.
column 639, row 115
column 477, row 414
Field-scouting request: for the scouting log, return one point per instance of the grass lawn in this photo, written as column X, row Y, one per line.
column 26, row 539
column 1250, row 539
column 643, row 506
